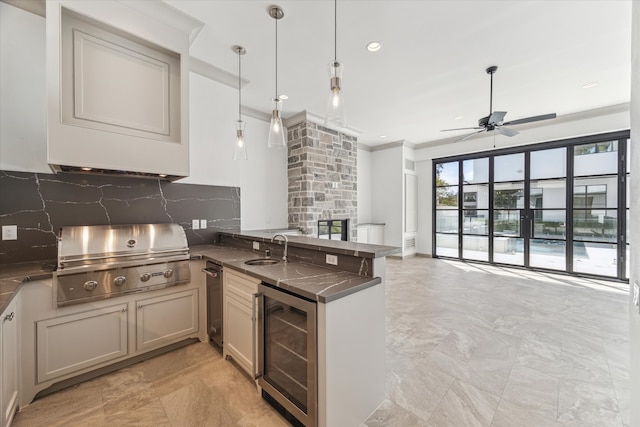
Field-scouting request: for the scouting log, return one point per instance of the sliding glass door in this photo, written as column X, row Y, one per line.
column 555, row 206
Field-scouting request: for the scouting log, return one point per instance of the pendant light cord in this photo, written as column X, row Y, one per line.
column 239, row 86
column 335, row 31
column 276, row 58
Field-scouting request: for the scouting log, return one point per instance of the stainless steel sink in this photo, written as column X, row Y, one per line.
column 262, row 261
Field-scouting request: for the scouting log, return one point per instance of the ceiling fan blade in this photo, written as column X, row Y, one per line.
column 469, row 136
column 507, row 131
column 531, row 119
column 477, row 127
column 496, row 117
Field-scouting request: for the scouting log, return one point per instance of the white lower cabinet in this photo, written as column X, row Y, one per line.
column 9, row 363
column 239, row 299
column 68, row 344
column 163, row 320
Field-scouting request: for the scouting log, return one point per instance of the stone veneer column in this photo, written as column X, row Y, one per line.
column 323, row 174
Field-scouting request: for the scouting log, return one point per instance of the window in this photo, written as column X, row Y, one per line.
column 555, row 206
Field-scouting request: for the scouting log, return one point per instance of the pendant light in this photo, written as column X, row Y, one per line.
column 240, row 149
column 277, row 137
column 336, row 115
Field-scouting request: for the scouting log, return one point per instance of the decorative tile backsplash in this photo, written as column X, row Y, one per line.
column 39, row 204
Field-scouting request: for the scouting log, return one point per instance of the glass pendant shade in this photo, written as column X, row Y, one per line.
column 277, row 137
column 240, row 149
column 336, row 115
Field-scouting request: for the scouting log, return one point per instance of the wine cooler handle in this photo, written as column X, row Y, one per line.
column 255, row 314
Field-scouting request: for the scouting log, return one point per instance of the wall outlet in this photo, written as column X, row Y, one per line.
column 9, row 232
column 332, row 259
column 256, row 246
column 203, row 224
column 195, row 224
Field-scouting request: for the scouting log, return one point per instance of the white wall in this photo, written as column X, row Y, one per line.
column 387, row 189
column 425, row 207
column 23, row 115
column 634, row 317
column 213, row 114
column 364, row 186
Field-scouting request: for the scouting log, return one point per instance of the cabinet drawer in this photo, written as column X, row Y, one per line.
column 241, row 285
column 69, row 344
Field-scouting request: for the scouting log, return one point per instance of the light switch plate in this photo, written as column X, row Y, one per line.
column 203, row 224
column 9, row 232
column 195, row 224
column 332, row 259
column 256, row 246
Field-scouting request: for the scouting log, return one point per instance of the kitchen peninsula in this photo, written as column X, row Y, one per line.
column 350, row 310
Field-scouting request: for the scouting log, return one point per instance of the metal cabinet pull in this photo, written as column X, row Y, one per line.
column 255, row 296
column 210, row 272
column 9, row 317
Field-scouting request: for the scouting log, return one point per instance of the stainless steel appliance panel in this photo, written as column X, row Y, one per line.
column 287, row 352
column 214, row 303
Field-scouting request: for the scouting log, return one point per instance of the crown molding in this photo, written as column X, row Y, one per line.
column 308, row 116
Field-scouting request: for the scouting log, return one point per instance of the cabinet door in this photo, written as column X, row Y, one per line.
column 363, row 234
column 9, row 362
column 238, row 332
column 167, row 319
column 69, row 344
column 238, row 318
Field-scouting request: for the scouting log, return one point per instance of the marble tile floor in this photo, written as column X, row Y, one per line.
column 467, row 345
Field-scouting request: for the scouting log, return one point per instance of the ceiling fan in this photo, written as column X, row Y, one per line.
column 494, row 121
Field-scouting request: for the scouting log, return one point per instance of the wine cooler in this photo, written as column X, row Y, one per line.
column 287, row 354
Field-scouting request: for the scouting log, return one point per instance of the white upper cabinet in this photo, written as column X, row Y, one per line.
column 118, row 86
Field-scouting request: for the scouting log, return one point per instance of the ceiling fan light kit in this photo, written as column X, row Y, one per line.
column 495, row 120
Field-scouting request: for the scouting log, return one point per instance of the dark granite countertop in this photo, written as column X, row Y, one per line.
column 310, row 281
column 12, row 276
column 323, row 245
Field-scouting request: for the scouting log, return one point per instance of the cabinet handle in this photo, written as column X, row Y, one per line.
column 9, row 317
column 139, row 306
column 124, row 309
column 209, row 272
column 254, row 301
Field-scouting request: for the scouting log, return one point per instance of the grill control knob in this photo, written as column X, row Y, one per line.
column 145, row 277
column 168, row 273
column 120, row 280
column 90, row 285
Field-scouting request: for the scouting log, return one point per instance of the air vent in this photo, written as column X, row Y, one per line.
column 409, row 165
column 409, row 242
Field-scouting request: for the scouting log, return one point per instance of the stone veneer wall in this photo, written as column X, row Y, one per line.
column 323, row 174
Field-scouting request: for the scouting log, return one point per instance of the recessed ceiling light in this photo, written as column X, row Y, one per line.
column 283, row 97
column 86, row 169
column 589, row 85
column 458, row 118
column 383, row 136
column 162, row 175
column 373, row 46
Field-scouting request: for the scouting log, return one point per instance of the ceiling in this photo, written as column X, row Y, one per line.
column 430, row 72
column 431, row 68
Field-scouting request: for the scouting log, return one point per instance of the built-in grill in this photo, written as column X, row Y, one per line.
column 98, row 262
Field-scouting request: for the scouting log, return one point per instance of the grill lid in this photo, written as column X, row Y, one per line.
column 85, row 246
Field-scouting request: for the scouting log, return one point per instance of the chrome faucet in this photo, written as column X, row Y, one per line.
column 286, row 243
